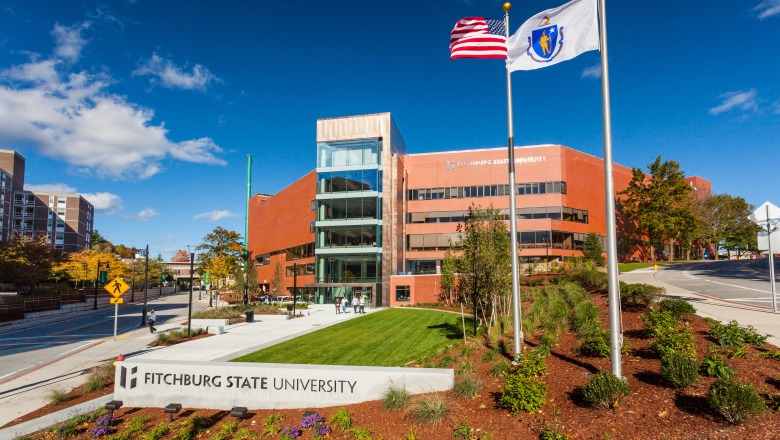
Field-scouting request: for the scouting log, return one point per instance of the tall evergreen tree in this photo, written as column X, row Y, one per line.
column 592, row 249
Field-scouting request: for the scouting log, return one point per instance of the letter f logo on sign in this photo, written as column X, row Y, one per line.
column 123, row 377
column 450, row 164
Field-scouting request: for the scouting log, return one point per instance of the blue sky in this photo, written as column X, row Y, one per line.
column 150, row 108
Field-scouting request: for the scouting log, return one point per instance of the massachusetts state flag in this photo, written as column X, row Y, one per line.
column 477, row 37
column 554, row 35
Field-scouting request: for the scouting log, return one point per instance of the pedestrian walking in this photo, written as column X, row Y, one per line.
column 338, row 305
column 354, row 304
column 362, row 304
column 150, row 320
column 344, row 305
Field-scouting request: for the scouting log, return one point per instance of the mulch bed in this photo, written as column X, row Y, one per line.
column 652, row 411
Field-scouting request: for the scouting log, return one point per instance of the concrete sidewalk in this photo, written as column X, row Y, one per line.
column 724, row 311
column 23, row 395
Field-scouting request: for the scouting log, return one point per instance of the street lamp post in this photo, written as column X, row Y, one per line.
column 97, row 275
column 146, row 288
column 546, row 253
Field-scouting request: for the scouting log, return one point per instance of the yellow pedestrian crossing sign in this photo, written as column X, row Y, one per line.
column 116, row 300
column 116, row 288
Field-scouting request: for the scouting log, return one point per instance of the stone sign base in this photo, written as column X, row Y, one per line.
column 223, row 385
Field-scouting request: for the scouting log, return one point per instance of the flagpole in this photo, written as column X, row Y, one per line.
column 615, row 335
column 517, row 321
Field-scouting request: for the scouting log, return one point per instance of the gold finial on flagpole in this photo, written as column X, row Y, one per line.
column 507, row 6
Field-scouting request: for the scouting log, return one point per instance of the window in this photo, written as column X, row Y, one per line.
column 402, row 293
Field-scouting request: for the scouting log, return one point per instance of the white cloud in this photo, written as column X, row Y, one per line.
column 746, row 100
column 215, row 215
column 776, row 108
column 71, row 116
column 104, row 202
column 591, row 72
column 174, row 77
column 69, row 41
column 768, row 8
column 57, row 188
column 144, row 215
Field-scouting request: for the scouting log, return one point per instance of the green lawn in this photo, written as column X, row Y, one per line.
column 389, row 338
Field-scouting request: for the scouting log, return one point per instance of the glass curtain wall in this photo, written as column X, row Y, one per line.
column 348, row 226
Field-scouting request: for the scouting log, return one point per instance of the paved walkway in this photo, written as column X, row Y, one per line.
column 16, row 399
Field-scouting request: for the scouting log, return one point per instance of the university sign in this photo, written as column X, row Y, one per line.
column 223, row 385
column 452, row 164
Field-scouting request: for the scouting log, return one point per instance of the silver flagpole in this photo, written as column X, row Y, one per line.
column 517, row 321
column 615, row 336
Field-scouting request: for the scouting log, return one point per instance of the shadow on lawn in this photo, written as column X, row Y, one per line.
column 451, row 330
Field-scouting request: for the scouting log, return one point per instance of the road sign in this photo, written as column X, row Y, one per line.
column 206, row 278
column 764, row 212
column 116, row 288
column 116, row 300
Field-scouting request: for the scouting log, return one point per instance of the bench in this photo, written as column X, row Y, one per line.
column 206, row 323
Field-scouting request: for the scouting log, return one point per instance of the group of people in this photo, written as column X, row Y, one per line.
column 358, row 304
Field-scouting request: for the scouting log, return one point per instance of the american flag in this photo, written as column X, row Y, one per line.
column 477, row 37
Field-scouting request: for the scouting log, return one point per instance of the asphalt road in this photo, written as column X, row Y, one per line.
column 25, row 349
column 741, row 281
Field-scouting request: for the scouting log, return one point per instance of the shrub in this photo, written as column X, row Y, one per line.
column 679, row 369
column 522, row 393
column 57, row 395
column 591, row 279
column 531, row 363
column 734, row 400
column 488, row 356
column 430, row 409
column 770, row 355
column 658, row 321
column 729, row 335
column 713, row 365
column 342, row 419
column 463, row 431
column 594, row 345
column 604, row 390
column 546, row 342
column 395, row 398
column 98, row 378
column 675, row 340
column 158, row 431
column 446, row 361
column 360, row 433
column 466, row 367
column 640, row 295
column 188, row 430
column 586, row 318
column 677, row 307
column 466, row 385
column 500, row 368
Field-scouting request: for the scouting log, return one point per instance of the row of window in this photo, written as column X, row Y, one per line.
column 463, row 192
column 300, row 269
column 526, row 239
column 349, row 181
column 356, row 236
column 291, row 253
column 349, row 208
column 348, row 153
column 544, row 212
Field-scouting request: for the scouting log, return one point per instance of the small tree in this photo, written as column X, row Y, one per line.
column 592, row 249
column 277, row 282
